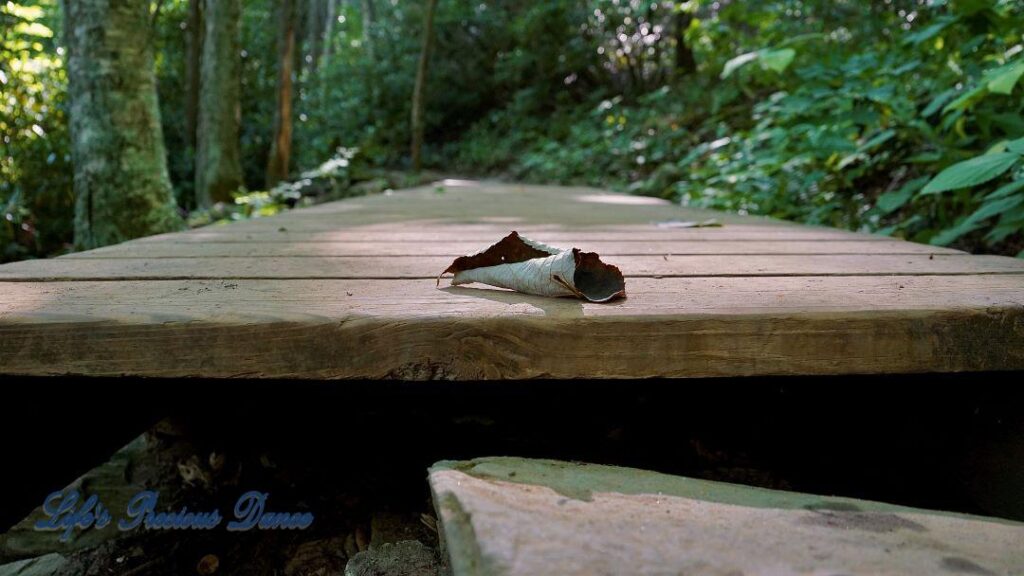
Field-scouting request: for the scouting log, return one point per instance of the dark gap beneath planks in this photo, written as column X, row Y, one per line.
column 949, row 442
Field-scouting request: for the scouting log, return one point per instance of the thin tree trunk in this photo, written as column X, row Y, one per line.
column 369, row 14
column 314, row 27
column 193, row 60
column 421, row 80
column 328, row 45
column 218, row 165
column 122, row 188
column 281, row 146
column 685, row 62
column 302, row 9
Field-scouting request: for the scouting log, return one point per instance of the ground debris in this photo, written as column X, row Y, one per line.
column 406, row 558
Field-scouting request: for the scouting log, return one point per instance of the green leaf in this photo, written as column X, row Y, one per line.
column 1004, row 79
column 1006, row 190
column 1008, row 224
column 938, row 102
column 1016, row 146
column 975, row 220
column 733, row 64
column 892, row 201
column 929, row 32
column 967, row 99
column 950, row 234
column 878, row 140
column 778, row 60
column 971, row 172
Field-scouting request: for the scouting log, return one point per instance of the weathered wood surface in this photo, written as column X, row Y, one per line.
column 347, row 290
column 511, row 517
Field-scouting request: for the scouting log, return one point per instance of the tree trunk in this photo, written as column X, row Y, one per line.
column 218, row 167
column 281, row 146
column 193, row 58
column 122, row 188
column 369, row 14
column 685, row 62
column 421, row 80
column 314, row 26
column 326, row 43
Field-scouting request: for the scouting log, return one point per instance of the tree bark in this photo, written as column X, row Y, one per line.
column 121, row 183
column 421, row 80
column 685, row 61
column 328, row 30
column 281, row 146
column 314, row 27
column 369, row 14
column 218, row 165
column 193, row 59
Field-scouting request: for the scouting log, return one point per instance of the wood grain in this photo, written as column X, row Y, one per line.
column 412, row 330
column 452, row 249
column 347, row 290
column 431, row 266
column 518, row 517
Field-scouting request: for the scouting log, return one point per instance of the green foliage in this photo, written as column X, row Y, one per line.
column 898, row 119
column 971, row 172
column 903, row 117
column 36, row 198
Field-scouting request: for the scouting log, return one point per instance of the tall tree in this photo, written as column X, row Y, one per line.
column 281, row 145
column 331, row 18
column 369, row 14
column 122, row 188
column 685, row 62
column 218, row 165
column 313, row 31
column 426, row 43
column 193, row 59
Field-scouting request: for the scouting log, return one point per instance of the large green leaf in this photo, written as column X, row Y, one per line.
column 1004, row 79
column 977, row 219
column 971, row 172
column 778, row 60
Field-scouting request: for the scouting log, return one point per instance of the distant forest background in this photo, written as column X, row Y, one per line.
column 901, row 117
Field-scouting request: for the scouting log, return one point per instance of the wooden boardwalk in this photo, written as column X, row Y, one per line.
column 347, row 290
column 517, row 517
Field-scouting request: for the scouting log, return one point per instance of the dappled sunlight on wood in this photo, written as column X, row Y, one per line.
column 624, row 199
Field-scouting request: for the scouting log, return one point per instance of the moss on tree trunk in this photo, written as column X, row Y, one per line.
column 218, row 165
column 122, row 188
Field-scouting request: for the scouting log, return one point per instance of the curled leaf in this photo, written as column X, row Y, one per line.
column 530, row 267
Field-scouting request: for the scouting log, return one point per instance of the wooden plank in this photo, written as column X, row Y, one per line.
column 289, row 297
column 442, row 232
column 430, row 266
column 686, row 327
column 457, row 248
column 191, row 300
column 512, row 517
